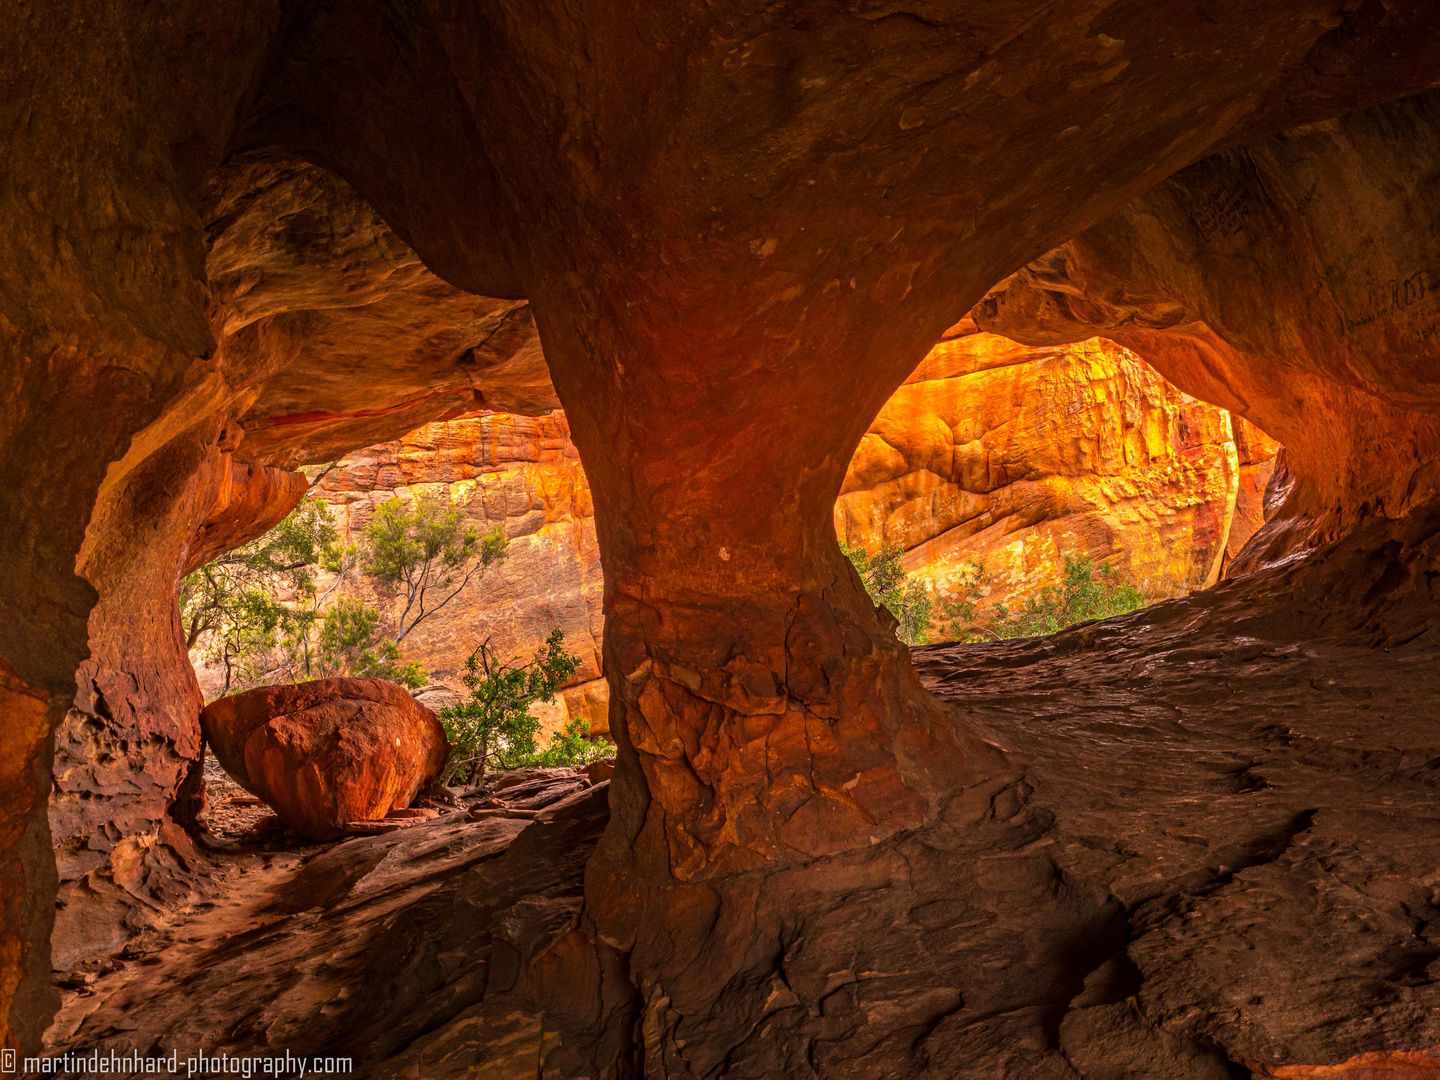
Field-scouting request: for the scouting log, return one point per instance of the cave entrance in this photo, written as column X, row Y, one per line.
column 1023, row 865
column 997, row 465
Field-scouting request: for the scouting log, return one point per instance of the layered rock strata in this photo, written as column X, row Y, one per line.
column 761, row 215
column 1017, row 458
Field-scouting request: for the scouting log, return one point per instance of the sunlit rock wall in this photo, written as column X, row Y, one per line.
column 991, row 451
column 519, row 472
column 1018, row 457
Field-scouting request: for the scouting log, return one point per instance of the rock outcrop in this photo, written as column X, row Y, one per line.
column 327, row 753
column 1017, row 458
column 126, row 756
column 464, row 933
column 739, row 228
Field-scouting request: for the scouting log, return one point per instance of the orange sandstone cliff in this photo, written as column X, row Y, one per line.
column 993, row 452
column 1018, row 457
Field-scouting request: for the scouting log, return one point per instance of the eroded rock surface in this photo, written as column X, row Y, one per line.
column 451, row 948
column 1244, row 280
column 329, row 752
column 309, row 292
column 765, row 215
column 1018, row 458
column 992, row 452
column 126, row 756
column 1205, row 859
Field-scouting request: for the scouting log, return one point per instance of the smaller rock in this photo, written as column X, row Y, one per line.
column 600, row 771
column 516, row 777
column 327, row 753
column 419, row 813
column 436, row 696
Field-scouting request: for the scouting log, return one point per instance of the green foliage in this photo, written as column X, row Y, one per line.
column 1087, row 592
column 243, row 603
column 1079, row 598
column 257, row 610
column 892, row 588
column 421, row 549
column 573, row 745
column 494, row 726
column 958, row 615
column 351, row 642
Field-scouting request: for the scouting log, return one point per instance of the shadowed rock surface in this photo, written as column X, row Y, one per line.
column 738, row 228
column 449, row 948
column 1199, row 864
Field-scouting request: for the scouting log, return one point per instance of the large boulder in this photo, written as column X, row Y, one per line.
column 328, row 752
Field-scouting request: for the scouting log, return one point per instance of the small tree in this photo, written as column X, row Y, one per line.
column 243, row 601
column 495, row 726
column 422, row 550
column 350, row 642
column 893, row 589
column 959, row 613
column 259, row 612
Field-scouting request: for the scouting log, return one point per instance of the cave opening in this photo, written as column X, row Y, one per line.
column 1196, row 840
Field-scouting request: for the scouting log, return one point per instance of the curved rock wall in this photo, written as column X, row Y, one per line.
column 1019, row 457
column 320, row 313
column 126, row 754
column 1293, row 281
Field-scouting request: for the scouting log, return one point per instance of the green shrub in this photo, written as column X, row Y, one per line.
column 1087, row 592
column 573, row 745
column 232, row 607
column 350, row 642
column 959, row 615
column 1079, row 598
column 494, row 726
column 892, row 588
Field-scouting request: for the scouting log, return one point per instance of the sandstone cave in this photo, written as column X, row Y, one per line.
column 717, row 287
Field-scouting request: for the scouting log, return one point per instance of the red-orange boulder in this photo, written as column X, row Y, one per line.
column 328, row 752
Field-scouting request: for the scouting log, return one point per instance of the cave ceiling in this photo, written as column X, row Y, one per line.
column 239, row 237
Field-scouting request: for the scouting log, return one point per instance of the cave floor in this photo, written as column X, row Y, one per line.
column 1217, row 855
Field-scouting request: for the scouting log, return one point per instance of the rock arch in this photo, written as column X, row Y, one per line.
column 759, row 214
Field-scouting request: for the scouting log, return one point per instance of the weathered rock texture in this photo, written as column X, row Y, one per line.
column 991, row 451
column 1017, row 458
column 307, row 285
column 329, row 752
column 126, row 755
column 1199, row 868
column 453, row 948
column 1244, row 279
column 739, row 228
